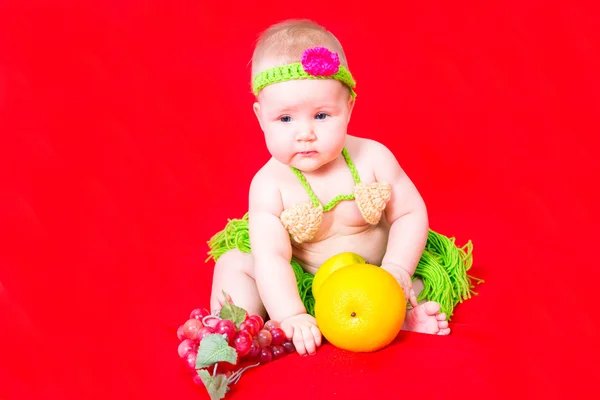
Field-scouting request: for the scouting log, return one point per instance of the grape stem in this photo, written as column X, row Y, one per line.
column 206, row 318
column 235, row 377
column 215, row 369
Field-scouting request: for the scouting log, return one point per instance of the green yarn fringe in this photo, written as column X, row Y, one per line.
column 442, row 268
column 304, row 281
column 234, row 236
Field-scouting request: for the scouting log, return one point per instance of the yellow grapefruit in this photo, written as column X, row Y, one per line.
column 360, row 308
column 333, row 264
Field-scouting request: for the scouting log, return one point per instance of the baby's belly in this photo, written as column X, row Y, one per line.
column 370, row 242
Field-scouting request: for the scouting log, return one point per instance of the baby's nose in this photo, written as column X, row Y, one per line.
column 305, row 133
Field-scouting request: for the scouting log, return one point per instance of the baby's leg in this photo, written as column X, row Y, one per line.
column 234, row 274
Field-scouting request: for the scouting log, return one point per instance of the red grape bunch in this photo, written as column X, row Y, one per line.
column 247, row 338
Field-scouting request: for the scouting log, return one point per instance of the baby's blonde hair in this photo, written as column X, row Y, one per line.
column 284, row 42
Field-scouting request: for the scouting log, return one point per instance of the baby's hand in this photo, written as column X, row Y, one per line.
column 302, row 330
column 405, row 280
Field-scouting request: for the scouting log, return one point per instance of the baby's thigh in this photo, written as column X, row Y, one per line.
column 234, row 275
column 236, row 261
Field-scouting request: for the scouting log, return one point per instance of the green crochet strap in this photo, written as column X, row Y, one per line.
column 351, row 165
column 296, row 71
column 337, row 199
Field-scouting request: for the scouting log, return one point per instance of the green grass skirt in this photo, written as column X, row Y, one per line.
column 442, row 268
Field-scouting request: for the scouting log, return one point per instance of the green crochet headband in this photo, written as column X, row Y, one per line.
column 316, row 63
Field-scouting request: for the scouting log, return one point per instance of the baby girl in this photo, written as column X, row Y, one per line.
column 322, row 192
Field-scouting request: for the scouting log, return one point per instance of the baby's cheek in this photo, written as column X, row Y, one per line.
column 280, row 148
column 332, row 142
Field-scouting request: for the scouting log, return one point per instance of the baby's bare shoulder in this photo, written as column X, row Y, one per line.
column 271, row 174
column 266, row 185
column 369, row 151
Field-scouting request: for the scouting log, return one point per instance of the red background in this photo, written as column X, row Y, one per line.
column 127, row 139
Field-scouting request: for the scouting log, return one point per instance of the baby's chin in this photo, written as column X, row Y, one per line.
column 304, row 168
column 309, row 164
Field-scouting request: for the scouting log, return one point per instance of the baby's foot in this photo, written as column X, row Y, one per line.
column 426, row 318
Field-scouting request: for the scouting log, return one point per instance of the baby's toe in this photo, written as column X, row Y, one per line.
column 444, row 332
column 431, row 308
column 442, row 324
column 441, row 317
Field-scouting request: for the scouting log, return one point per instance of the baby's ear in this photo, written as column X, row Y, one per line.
column 351, row 102
column 256, row 108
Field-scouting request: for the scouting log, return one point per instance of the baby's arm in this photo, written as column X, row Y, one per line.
column 407, row 215
column 275, row 279
column 272, row 251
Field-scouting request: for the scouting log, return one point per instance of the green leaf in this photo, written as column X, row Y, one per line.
column 213, row 349
column 232, row 312
column 215, row 385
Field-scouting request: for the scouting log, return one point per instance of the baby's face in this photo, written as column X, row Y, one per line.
column 305, row 121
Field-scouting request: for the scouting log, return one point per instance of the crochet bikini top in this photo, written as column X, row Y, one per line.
column 303, row 220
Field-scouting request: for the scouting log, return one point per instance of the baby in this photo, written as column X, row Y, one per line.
column 304, row 101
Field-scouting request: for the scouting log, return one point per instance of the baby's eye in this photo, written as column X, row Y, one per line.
column 285, row 118
column 321, row 116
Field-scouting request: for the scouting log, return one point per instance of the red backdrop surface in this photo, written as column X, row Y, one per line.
column 127, row 139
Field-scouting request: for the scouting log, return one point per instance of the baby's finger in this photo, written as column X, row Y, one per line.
column 288, row 330
column 408, row 294
column 316, row 332
column 309, row 340
column 298, row 341
column 413, row 298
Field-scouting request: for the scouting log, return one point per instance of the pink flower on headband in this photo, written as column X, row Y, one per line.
column 320, row 61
